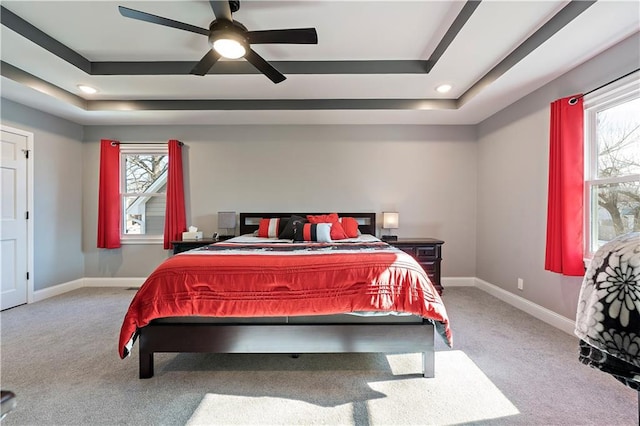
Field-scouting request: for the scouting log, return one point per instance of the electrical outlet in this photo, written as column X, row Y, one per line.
column 520, row 284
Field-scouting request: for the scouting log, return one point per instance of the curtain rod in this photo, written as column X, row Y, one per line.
column 572, row 101
column 114, row 143
column 612, row 81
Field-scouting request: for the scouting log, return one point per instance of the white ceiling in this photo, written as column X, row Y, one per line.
column 505, row 50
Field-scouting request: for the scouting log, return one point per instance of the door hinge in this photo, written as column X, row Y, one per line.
column 26, row 215
column 27, row 275
column 26, row 153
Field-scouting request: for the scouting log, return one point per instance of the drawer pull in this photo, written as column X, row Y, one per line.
column 426, row 251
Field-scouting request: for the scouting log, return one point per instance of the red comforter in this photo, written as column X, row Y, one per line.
column 286, row 279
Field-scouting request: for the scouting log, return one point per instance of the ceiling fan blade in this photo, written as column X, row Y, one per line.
column 147, row 17
column 221, row 9
column 205, row 64
column 291, row 36
column 264, row 67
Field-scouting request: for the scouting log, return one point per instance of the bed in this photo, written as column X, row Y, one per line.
column 275, row 296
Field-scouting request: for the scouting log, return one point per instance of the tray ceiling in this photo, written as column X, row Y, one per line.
column 376, row 62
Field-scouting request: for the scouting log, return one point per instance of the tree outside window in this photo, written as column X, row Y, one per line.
column 144, row 182
column 612, row 178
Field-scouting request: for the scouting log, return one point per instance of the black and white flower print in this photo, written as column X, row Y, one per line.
column 626, row 345
column 618, row 284
column 608, row 317
column 591, row 315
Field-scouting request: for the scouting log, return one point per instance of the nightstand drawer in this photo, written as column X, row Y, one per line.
column 409, row 250
column 428, row 251
column 429, row 265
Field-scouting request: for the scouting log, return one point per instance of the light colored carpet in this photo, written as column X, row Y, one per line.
column 460, row 393
column 60, row 358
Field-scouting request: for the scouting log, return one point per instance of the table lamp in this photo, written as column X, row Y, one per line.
column 227, row 221
column 390, row 220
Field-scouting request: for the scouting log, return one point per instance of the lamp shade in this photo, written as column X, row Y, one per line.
column 227, row 220
column 390, row 220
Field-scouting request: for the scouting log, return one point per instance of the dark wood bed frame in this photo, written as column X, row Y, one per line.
column 288, row 337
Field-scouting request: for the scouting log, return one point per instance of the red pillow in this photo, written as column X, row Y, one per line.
column 323, row 218
column 337, row 231
column 350, row 226
column 269, row 228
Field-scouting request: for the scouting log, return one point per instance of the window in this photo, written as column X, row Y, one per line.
column 143, row 189
column 612, row 162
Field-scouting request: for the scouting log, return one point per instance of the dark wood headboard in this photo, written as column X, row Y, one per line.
column 249, row 222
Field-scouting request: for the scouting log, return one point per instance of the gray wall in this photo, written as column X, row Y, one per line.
column 481, row 188
column 427, row 173
column 57, row 210
column 513, row 157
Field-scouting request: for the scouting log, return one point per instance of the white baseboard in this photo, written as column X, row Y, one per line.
column 113, row 282
column 458, row 282
column 518, row 302
column 58, row 289
column 537, row 311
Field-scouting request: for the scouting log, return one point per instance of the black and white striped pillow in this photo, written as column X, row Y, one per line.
column 319, row 232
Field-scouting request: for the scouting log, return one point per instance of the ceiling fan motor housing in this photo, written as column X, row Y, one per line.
column 221, row 28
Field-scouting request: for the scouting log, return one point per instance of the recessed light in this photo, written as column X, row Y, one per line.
column 87, row 89
column 443, row 88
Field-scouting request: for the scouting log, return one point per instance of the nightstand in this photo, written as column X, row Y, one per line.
column 428, row 253
column 180, row 246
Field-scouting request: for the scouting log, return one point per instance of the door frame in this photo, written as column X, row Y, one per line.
column 30, row 221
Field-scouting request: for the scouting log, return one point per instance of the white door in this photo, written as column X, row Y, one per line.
column 13, row 216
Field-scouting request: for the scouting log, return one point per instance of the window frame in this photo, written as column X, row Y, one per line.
column 133, row 149
column 614, row 94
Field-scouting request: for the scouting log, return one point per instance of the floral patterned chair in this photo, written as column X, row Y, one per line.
column 608, row 318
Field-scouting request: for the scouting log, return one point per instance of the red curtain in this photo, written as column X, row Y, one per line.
column 109, row 195
column 175, row 219
column 564, row 252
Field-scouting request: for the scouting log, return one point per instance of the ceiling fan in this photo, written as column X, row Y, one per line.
column 230, row 39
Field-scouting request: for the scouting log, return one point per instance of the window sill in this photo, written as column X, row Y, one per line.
column 142, row 240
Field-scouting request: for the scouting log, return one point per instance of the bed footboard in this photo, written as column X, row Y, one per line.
column 287, row 338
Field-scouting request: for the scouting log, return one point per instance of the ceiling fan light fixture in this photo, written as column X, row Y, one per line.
column 229, row 48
